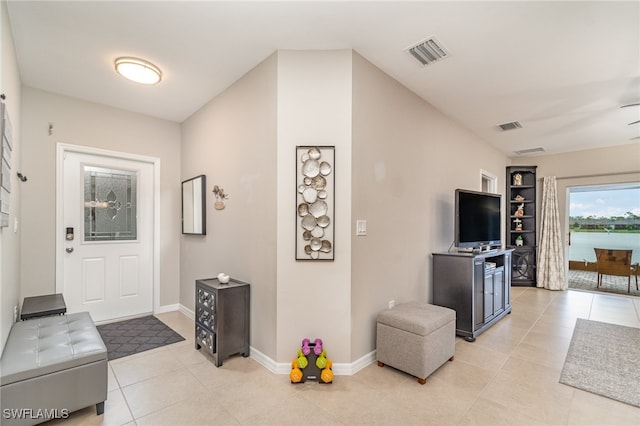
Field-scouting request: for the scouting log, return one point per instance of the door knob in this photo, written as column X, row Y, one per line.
column 69, row 249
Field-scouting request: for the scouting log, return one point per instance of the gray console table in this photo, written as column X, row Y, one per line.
column 222, row 318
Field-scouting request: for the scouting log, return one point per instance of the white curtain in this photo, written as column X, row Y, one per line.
column 550, row 274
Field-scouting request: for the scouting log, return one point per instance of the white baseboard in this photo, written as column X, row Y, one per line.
column 268, row 363
column 349, row 369
column 339, row 368
column 167, row 308
column 188, row 312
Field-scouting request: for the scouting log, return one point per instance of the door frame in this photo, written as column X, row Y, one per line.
column 61, row 150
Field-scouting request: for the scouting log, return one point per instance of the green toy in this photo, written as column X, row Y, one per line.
column 302, row 360
column 321, row 362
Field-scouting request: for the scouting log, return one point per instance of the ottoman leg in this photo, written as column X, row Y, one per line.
column 100, row 408
column 452, row 356
column 422, row 381
column 380, row 364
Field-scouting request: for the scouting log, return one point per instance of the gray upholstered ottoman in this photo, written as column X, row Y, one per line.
column 416, row 338
column 50, row 367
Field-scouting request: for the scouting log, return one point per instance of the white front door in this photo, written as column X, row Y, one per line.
column 108, row 222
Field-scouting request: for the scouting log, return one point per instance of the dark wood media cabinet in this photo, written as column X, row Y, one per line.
column 476, row 285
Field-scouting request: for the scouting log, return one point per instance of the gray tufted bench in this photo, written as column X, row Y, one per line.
column 416, row 338
column 52, row 366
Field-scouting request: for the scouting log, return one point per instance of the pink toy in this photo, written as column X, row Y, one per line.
column 306, row 350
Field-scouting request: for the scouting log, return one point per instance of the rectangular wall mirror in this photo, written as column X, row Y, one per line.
column 194, row 207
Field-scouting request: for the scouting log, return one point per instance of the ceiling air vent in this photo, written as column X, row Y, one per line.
column 510, row 126
column 530, row 150
column 429, row 51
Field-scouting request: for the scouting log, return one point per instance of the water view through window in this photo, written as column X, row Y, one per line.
column 604, row 217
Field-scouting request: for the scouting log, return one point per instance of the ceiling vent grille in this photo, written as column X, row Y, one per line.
column 429, row 51
column 530, row 151
column 510, row 126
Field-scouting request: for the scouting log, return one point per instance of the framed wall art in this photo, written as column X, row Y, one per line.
column 315, row 202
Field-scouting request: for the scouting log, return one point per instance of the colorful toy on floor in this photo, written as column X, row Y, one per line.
column 306, row 350
column 302, row 360
column 321, row 362
column 327, row 375
column 296, row 374
column 312, row 363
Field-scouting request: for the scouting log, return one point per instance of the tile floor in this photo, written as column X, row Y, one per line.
column 508, row 376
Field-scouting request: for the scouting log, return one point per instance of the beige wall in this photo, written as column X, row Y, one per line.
column 408, row 160
column 10, row 238
column 314, row 108
column 87, row 124
column 232, row 140
column 393, row 167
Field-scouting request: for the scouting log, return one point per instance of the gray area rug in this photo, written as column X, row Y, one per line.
column 136, row 335
column 604, row 359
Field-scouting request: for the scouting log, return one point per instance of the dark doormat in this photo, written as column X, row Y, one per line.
column 129, row 337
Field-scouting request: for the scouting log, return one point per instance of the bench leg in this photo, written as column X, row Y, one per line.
column 100, row 408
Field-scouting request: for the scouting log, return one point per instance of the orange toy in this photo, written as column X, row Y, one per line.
column 326, row 375
column 296, row 373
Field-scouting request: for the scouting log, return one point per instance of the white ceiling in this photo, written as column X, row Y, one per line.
column 562, row 69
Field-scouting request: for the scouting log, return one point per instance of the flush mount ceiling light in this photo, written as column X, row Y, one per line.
column 138, row 70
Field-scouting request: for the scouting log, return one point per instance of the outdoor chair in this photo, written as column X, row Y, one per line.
column 615, row 262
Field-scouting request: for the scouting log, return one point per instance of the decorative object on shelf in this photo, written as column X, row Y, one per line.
column 315, row 202
column 220, row 197
column 223, row 278
column 519, row 198
column 517, row 179
column 519, row 241
column 517, row 224
column 311, row 363
column 520, row 211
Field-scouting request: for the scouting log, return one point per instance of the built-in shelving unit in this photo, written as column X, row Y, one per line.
column 521, row 223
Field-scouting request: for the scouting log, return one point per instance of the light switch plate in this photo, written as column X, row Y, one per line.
column 361, row 227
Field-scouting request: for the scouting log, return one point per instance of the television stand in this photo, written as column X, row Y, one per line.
column 476, row 285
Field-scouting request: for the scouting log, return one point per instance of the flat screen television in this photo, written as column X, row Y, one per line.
column 478, row 219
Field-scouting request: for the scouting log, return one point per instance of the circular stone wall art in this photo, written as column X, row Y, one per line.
column 315, row 202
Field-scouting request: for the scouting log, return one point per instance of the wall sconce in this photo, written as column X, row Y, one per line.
column 220, row 197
